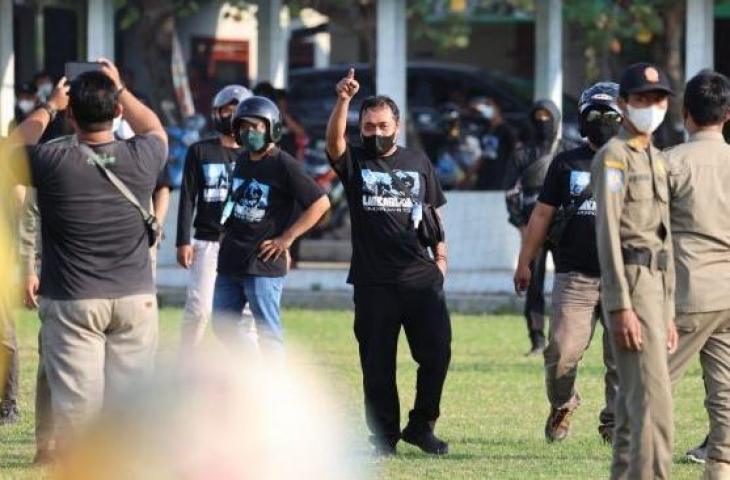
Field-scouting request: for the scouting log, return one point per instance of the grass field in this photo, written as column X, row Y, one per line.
column 494, row 405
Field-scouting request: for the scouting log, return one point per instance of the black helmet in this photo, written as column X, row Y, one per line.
column 230, row 94
column 603, row 94
column 261, row 108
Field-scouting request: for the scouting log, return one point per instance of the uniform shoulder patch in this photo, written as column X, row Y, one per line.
column 614, row 179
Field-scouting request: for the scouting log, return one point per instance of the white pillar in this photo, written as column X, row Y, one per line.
column 391, row 59
column 100, row 30
column 700, row 37
column 273, row 43
column 7, row 66
column 549, row 51
column 322, row 49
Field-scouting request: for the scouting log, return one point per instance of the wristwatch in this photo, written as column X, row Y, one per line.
column 51, row 111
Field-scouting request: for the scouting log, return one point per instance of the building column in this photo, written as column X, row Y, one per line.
column 391, row 59
column 273, row 43
column 100, row 30
column 549, row 51
column 322, row 49
column 700, row 37
column 7, row 67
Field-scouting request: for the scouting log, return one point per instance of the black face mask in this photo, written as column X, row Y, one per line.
column 544, row 131
column 599, row 132
column 223, row 124
column 378, row 145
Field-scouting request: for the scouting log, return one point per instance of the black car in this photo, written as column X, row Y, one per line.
column 311, row 95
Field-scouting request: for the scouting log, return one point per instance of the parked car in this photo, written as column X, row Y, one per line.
column 430, row 86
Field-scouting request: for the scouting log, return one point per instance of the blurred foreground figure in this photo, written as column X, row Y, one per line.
column 217, row 419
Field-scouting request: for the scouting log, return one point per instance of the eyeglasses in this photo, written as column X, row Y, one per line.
column 608, row 115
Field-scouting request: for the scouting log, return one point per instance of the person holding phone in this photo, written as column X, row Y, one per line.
column 96, row 294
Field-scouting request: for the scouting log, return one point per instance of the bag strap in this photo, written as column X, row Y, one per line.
column 573, row 209
column 116, row 181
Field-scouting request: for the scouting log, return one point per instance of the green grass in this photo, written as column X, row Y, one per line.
column 493, row 409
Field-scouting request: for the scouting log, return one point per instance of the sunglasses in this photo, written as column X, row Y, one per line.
column 609, row 115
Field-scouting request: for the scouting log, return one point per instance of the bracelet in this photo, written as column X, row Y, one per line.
column 120, row 91
column 49, row 110
column 441, row 257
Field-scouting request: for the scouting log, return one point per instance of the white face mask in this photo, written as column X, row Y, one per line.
column 26, row 106
column 646, row 120
column 44, row 90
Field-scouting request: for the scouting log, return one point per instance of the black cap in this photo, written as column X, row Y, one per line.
column 644, row 77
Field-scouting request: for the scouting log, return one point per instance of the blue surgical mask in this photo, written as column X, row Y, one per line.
column 252, row 140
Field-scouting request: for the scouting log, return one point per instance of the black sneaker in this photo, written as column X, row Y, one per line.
column 9, row 413
column 606, row 433
column 698, row 454
column 538, row 345
column 425, row 440
column 384, row 451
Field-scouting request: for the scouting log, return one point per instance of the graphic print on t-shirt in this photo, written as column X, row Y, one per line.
column 394, row 191
column 216, row 182
column 579, row 181
column 251, row 198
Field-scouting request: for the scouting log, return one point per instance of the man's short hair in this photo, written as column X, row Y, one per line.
column 379, row 101
column 707, row 98
column 93, row 98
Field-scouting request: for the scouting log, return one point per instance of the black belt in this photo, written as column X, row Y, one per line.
column 643, row 257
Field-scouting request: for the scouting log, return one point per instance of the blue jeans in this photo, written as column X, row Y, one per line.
column 263, row 295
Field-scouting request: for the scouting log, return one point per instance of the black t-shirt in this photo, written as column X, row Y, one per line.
column 568, row 175
column 264, row 194
column 498, row 145
column 94, row 240
column 381, row 194
column 204, row 189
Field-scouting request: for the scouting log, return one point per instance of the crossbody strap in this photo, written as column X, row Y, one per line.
column 112, row 177
column 573, row 209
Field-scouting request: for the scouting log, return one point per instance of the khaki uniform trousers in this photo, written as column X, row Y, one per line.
column 708, row 334
column 642, row 445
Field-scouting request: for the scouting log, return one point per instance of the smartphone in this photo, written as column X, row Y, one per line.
column 74, row 69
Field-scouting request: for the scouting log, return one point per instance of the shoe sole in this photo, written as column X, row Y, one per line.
column 694, row 459
column 446, row 452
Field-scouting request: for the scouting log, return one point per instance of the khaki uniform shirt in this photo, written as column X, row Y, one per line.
column 630, row 184
column 699, row 183
column 29, row 233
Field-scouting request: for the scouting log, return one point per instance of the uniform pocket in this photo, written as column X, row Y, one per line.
column 639, row 190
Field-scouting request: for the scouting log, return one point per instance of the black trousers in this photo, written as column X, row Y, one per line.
column 379, row 313
column 535, row 301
